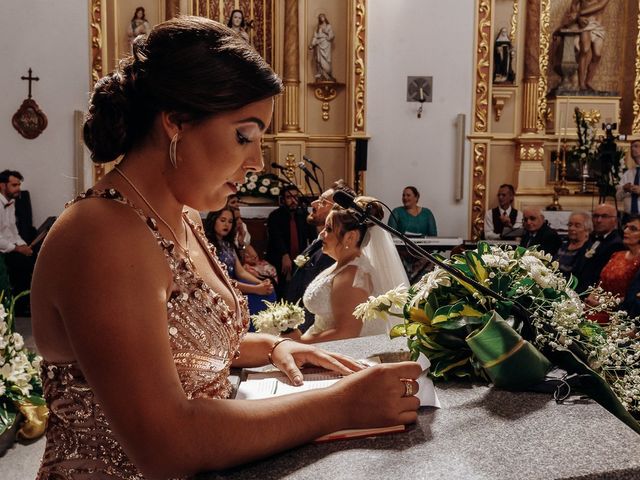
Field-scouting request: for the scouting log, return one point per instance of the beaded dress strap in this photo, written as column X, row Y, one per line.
column 152, row 224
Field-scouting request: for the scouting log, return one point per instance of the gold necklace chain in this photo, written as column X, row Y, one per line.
column 153, row 210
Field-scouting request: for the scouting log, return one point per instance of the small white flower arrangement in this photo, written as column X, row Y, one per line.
column 20, row 383
column 278, row 317
column 266, row 185
column 301, row 260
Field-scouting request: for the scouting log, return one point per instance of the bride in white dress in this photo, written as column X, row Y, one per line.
column 367, row 263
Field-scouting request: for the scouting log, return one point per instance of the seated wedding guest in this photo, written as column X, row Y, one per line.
column 313, row 260
column 617, row 275
column 578, row 229
column 18, row 256
column 367, row 263
column 243, row 237
column 261, row 269
column 411, row 218
column 503, row 219
column 288, row 235
column 219, row 227
column 134, row 315
column 538, row 232
column 603, row 242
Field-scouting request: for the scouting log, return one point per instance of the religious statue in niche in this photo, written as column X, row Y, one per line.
column 321, row 44
column 237, row 24
column 138, row 25
column 503, row 55
column 29, row 120
column 585, row 18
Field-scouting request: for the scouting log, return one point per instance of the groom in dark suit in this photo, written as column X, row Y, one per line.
column 312, row 260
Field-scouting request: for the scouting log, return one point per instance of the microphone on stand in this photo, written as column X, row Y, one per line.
column 286, row 180
column 347, row 201
column 308, row 175
column 315, row 168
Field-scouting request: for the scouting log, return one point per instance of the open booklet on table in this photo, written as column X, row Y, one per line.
column 273, row 383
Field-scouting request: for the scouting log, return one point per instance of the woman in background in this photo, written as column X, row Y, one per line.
column 219, row 227
column 411, row 218
column 617, row 275
column 134, row 316
column 579, row 228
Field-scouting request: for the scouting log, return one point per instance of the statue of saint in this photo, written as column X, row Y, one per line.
column 138, row 25
column 237, row 24
column 321, row 45
column 502, row 58
column 585, row 16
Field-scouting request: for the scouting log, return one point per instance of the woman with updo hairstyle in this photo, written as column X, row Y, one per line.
column 367, row 263
column 135, row 318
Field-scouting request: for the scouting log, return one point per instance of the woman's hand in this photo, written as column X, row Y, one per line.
column 379, row 396
column 264, row 288
column 289, row 356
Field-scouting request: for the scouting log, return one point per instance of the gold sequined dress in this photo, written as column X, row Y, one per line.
column 205, row 337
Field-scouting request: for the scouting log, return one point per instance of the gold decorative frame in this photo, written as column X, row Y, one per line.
column 635, row 129
column 481, row 87
column 543, row 61
column 480, row 116
column 514, row 23
column 360, row 69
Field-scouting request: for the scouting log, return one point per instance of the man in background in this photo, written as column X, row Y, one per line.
column 503, row 219
column 538, row 232
column 18, row 256
column 604, row 242
column 288, row 235
column 312, row 260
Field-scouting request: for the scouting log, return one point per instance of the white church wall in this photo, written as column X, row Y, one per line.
column 53, row 39
column 415, row 38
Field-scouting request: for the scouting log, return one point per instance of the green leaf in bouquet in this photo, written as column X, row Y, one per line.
column 591, row 330
column 452, row 339
column 572, row 283
column 483, row 248
column 503, row 308
column 36, row 400
column 500, row 284
column 476, row 265
column 593, row 385
column 6, row 420
column 399, row 330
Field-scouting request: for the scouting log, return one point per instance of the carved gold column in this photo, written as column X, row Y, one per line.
column 291, row 68
column 530, row 168
column 635, row 128
column 479, row 137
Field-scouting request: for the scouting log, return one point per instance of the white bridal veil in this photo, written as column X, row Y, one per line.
column 388, row 271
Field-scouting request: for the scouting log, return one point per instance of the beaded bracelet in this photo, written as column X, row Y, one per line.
column 273, row 347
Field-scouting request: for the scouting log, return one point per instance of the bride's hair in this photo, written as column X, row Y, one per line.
column 344, row 220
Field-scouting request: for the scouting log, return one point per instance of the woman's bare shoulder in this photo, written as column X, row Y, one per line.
column 99, row 237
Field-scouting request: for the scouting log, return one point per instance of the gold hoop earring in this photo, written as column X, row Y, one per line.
column 173, row 147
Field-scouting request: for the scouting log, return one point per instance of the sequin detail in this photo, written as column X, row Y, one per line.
column 204, row 335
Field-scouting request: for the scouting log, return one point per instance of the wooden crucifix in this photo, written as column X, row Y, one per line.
column 29, row 120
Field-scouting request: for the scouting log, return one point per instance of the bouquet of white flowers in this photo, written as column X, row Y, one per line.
column 20, row 384
column 278, row 317
column 266, row 185
column 463, row 333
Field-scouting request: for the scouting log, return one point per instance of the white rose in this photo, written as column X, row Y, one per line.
column 275, row 191
column 253, row 178
column 251, row 185
column 262, row 189
column 266, row 182
column 18, row 341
